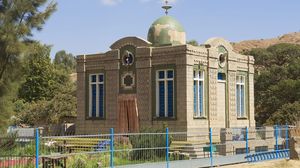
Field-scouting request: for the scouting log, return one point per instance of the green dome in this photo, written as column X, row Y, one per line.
column 166, row 31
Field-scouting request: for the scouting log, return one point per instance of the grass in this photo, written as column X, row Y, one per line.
column 92, row 161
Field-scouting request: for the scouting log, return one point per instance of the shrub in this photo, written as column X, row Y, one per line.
column 8, row 143
column 79, row 161
column 149, row 146
column 83, row 161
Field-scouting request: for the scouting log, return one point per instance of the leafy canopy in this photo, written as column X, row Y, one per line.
column 18, row 18
column 65, row 61
column 39, row 75
column 47, row 94
column 277, row 84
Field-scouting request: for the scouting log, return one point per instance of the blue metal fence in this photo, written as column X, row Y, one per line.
column 162, row 149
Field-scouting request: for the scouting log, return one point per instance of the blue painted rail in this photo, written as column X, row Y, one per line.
column 102, row 145
column 268, row 155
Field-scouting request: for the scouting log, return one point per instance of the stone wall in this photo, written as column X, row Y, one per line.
column 182, row 58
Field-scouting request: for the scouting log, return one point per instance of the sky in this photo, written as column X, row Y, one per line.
column 91, row 26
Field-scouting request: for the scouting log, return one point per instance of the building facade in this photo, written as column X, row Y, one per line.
column 162, row 80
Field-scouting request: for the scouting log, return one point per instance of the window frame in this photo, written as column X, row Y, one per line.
column 89, row 104
column 241, row 81
column 166, row 79
column 199, row 78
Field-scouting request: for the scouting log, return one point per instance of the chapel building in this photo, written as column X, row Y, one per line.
column 143, row 83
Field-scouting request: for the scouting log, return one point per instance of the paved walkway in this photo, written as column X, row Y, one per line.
column 194, row 163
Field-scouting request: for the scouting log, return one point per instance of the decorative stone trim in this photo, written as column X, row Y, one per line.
column 127, row 86
column 134, row 41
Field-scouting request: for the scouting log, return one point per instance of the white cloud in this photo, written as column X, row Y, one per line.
column 111, row 2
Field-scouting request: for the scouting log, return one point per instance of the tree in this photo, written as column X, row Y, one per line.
column 288, row 114
column 39, row 75
column 65, row 60
column 277, row 83
column 45, row 112
column 18, row 18
column 63, row 104
column 47, row 94
column 193, row 42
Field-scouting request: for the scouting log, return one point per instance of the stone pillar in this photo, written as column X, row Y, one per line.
column 267, row 133
column 81, row 94
column 226, row 137
column 212, row 87
column 251, row 91
column 251, row 133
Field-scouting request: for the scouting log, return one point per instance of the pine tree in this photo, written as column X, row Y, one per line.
column 18, row 18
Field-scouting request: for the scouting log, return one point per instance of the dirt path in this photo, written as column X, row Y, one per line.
column 271, row 164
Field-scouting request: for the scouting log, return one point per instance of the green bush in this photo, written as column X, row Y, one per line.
column 124, row 148
column 178, row 156
column 83, row 161
column 149, row 146
column 79, row 161
column 8, row 143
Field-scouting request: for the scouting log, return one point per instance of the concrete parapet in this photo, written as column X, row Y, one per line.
column 268, row 132
column 226, row 135
column 251, row 133
column 226, row 149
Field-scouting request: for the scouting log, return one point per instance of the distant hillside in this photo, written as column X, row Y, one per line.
column 293, row 38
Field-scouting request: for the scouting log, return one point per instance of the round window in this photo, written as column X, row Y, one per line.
column 222, row 59
column 127, row 58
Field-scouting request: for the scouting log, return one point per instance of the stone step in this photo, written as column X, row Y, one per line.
column 189, row 151
column 189, row 143
column 193, row 148
column 190, row 147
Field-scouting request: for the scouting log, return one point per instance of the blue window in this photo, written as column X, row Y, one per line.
column 221, row 76
column 165, row 93
column 101, row 78
column 101, row 100
column 161, row 98
column 170, row 98
column 96, row 95
column 198, row 93
column 94, row 78
column 161, row 74
column 240, row 96
column 170, row 74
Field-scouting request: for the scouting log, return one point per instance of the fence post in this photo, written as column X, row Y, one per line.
column 210, row 147
column 276, row 140
column 287, row 139
column 247, row 141
column 167, row 146
column 37, row 142
column 111, row 147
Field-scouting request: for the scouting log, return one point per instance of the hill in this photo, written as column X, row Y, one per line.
column 293, row 38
